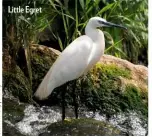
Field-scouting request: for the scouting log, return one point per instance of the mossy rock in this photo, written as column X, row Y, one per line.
column 81, row 127
column 17, row 83
column 11, row 108
column 10, row 130
column 14, row 78
column 104, row 90
column 42, row 58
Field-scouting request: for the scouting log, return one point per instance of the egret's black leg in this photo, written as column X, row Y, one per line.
column 63, row 101
column 75, row 101
column 81, row 88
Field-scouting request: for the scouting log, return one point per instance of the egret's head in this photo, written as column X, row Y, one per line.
column 100, row 22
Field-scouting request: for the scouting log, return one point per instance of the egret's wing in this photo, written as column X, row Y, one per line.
column 70, row 65
column 73, row 60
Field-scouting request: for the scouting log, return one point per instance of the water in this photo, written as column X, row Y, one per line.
column 36, row 120
column 130, row 123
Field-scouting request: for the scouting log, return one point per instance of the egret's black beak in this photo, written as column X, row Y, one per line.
column 114, row 25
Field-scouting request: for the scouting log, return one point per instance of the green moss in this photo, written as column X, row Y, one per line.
column 103, row 91
column 134, row 98
column 82, row 127
column 112, row 70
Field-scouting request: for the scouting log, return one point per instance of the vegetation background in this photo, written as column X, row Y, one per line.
column 66, row 20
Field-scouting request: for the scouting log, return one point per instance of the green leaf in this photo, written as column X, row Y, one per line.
column 53, row 5
column 24, row 19
column 113, row 46
column 82, row 4
column 60, row 42
column 109, row 6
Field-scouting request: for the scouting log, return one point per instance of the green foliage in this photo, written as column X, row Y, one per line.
column 130, row 44
column 74, row 17
column 134, row 15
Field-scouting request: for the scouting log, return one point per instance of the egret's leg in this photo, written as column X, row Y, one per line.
column 63, row 101
column 82, row 92
column 75, row 101
column 81, row 88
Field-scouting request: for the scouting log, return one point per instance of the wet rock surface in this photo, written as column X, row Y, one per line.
column 81, row 127
column 10, row 130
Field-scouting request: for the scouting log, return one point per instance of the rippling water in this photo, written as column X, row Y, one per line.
column 36, row 120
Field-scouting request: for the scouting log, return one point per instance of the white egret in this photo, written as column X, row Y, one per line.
column 77, row 58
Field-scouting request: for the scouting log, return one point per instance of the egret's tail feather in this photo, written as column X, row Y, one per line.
column 42, row 92
column 45, row 88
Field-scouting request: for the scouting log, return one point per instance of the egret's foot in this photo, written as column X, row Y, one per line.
column 63, row 100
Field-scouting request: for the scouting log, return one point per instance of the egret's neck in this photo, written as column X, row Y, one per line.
column 97, row 37
column 94, row 33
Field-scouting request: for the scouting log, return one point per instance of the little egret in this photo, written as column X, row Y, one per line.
column 77, row 58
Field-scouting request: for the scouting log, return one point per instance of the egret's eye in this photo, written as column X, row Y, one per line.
column 100, row 22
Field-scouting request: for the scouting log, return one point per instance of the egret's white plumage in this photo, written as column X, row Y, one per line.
column 76, row 59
